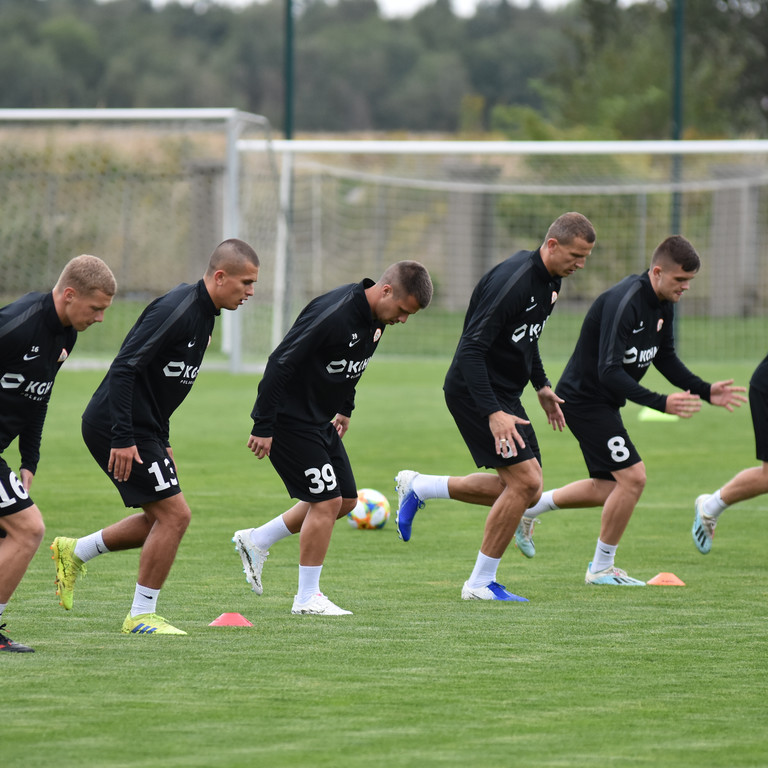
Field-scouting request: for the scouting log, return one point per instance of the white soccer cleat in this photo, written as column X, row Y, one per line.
column 703, row 530
column 253, row 558
column 318, row 605
column 613, row 576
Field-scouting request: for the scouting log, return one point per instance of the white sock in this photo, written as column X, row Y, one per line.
column 484, row 571
column 605, row 554
column 431, row 487
column 309, row 582
column 144, row 600
column 544, row 504
column 266, row 535
column 2, row 608
column 91, row 545
column 714, row 506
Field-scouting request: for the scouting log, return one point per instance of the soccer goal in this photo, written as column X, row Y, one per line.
column 460, row 207
column 152, row 192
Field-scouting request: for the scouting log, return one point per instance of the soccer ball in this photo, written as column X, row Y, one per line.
column 371, row 511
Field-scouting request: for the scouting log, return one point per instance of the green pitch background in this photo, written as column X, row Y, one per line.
column 580, row 676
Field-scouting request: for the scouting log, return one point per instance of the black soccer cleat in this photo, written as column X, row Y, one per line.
column 6, row 644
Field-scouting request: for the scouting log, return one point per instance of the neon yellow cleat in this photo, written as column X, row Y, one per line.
column 149, row 624
column 68, row 567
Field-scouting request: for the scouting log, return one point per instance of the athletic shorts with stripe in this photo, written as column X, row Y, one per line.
column 603, row 438
column 312, row 462
column 153, row 480
column 474, row 428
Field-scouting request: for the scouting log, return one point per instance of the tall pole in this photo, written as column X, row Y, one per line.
column 288, row 71
column 677, row 109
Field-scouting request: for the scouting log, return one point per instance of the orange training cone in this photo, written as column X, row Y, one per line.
column 665, row 580
column 231, row 620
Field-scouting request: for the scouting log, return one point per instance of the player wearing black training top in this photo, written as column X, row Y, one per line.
column 304, row 403
column 127, row 423
column 37, row 334
column 497, row 356
column 628, row 328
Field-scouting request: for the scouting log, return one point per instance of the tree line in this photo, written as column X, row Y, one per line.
column 591, row 69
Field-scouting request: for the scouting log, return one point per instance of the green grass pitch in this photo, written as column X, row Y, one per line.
column 579, row 676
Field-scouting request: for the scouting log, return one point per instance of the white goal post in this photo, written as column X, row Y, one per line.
column 460, row 206
column 153, row 191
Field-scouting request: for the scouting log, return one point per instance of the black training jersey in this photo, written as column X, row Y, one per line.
column 498, row 352
column 33, row 346
column 625, row 331
column 155, row 367
column 312, row 374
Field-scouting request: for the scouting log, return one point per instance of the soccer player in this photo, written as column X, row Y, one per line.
column 628, row 328
column 497, row 355
column 37, row 334
column 746, row 484
column 127, row 423
column 302, row 410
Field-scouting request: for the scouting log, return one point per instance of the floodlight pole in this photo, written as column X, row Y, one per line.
column 288, row 71
column 677, row 108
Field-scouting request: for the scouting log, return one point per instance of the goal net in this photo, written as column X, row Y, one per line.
column 460, row 207
column 152, row 192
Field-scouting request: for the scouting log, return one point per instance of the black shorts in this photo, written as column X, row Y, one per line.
column 758, row 405
column 153, row 480
column 313, row 463
column 602, row 437
column 13, row 495
column 480, row 440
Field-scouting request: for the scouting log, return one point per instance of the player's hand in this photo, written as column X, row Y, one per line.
column 26, row 479
column 121, row 462
column 503, row 425
column 341, row 423
column 724, row 395
column 550, row 402
column 683, row 404
column 261, row 446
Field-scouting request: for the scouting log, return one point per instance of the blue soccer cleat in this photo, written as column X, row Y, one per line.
column 524, row 536
column 492, row 591
column 408, row 503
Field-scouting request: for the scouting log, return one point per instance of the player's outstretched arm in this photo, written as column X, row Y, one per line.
column 683, row 404
column 550, row 402
column 726, row 396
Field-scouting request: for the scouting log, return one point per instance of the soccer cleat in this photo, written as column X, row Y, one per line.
column 68, row 567
column 408, row 503
column 611, row 575
column 493, row 591
column 524, row 536
column 6, row 644
column 253, row 558
column 703, row 530
column 149, row 624
column 318, row 605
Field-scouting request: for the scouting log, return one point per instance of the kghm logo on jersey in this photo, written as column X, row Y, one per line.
column 180, row 370
column 352, row 369
column 33, row 390
column 640, row 357
column 532, row 331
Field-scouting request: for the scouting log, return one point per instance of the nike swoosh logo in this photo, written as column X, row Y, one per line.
column 528, row 309
column 192, row 343
column 30, row 357
column 638, row 330
column 99, row 550
column 148, row 597
column 352, row 343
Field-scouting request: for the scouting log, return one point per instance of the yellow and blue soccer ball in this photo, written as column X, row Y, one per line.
column 371, row 511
